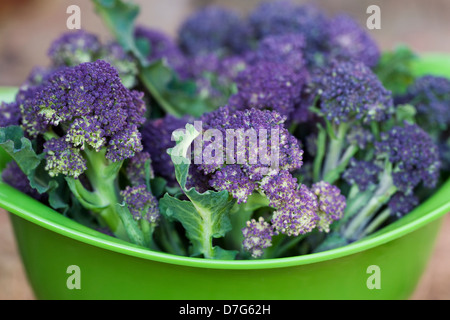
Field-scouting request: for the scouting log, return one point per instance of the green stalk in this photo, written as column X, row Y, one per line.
column 377, row 222
column 102, row 175
column 334, row 149
column 384, row 192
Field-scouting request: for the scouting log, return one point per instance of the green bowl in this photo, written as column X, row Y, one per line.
column 385, row 265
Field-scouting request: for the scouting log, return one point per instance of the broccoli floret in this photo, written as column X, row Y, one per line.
column 331, row 204
column 76, row 47
column 268, row 86
column 348, row 40
column 285, row 48
column 257, row 236
column 406, row 157
column 211, row 29
column 349, row 98
column 284, row 17
column 141, row 203
column 90, row 122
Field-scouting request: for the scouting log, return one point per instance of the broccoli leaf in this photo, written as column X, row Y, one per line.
column 21, row 150
column 206, row 215
column 395, row 69
column 175, row 96
column 119, row 16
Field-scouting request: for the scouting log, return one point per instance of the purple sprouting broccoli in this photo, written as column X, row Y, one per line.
column 287, row 49
column 284, row 48
column 76, row 47
column 157, row 139
column 350, row 41
column 430, row 95
column 268, row 86
column 90, row 122
column 213, row 29
column 161, row 46
column 350, row 91
column 9, row 114
column 331, row 204
column 73, row 48
column 284, row 17
column 414, row 155
column 296, row 206
column 257, row 236
column 407, row 158
column 401, row 204
column 141, row 203
column 258, row 161
column 16, row 178
column 139, row 169
column 348, row 96
column 249, row 160
column 362, row 173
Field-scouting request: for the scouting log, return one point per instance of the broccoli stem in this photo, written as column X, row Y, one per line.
column 334, row 150
column 103, row 177
column 383, row 193
column 378, row 221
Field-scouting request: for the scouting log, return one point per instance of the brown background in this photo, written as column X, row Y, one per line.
column 27, row 27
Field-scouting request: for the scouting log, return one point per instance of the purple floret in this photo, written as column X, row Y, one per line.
column 414, row 156
column 362, row 173
column 401, row 204
column 141, row 203
column 15, row 177
column 431, row 97
column 157, row 139
column 285, row 48
column 257, row 236
column 296, row 206
column 268, row 86
column 348, row 40
column 284, row 17
column 213, row 28
column 351, row 91
column 249, row 160
column 64, row 159
column 89, row 107
column 73, row 48
column 136, row 168
column 9, row 114
column 331, row 204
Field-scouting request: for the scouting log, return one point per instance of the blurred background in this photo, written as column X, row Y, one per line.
column 27, row 27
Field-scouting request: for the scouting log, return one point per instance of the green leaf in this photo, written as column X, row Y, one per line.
column 21, row 150
column 119, row 16
column 395, row 69
column 175, row 97
column 132, row 228
column 206, row 215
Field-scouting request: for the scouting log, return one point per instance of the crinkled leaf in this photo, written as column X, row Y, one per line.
column 206, row 215
column 21, row 150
